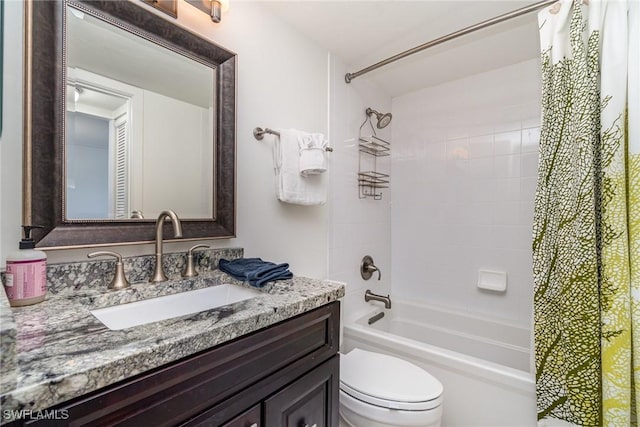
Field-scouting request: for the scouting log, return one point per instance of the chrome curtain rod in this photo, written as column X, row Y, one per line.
column 484, row 24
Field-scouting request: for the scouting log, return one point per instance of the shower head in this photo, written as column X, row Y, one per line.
column 383, row 119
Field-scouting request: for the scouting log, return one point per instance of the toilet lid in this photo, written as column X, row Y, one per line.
column 388, row 381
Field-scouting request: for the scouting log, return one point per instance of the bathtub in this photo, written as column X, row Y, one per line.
column 483, row 364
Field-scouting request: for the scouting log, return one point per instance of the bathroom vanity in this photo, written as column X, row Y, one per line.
column 266, row 361
column 284, row 375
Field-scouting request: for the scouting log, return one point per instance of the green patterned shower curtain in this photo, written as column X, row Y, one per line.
column 586, row 237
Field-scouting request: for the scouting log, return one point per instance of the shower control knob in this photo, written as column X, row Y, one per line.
column 367, row 267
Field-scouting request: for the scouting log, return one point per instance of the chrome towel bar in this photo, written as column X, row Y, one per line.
column 258, row 134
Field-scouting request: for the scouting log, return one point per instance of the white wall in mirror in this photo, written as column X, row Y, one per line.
column 175, row 171
column 270, row 54
column 159, row 152
column 88, row 189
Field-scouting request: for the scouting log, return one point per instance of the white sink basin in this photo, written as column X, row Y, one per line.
column 155, row 309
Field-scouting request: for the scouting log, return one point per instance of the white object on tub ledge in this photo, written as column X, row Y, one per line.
column 492, row 280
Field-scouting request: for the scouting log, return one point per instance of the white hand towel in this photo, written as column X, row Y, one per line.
column 291, row 186
column 313, row 156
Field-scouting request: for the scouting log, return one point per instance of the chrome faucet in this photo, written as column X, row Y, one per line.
column 368, row 296
column 158, row 272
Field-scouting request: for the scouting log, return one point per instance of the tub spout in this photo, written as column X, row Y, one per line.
column 368, row 296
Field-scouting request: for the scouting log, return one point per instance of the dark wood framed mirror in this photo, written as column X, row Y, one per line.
column 55, row 80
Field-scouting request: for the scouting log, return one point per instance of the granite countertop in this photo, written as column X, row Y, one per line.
column 61, row 351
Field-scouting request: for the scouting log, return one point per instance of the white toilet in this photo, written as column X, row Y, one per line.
column 377, row 390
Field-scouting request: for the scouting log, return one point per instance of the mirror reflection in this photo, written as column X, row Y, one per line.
column 139, row 126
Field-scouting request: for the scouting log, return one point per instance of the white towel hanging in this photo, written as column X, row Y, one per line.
column 313, row 155
column 291, row 185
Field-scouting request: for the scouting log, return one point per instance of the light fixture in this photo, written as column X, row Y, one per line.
column 78, row 14
column 216, row 11
column 170, row 7
column 213, row 7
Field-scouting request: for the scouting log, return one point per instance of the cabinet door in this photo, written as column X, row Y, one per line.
column 250, row 418
column 310, row 401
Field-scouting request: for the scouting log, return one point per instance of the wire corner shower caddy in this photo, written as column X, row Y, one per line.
column 371, row 181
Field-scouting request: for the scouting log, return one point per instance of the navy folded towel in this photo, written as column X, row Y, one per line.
column 255, row 271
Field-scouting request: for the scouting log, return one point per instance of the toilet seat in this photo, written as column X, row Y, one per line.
column 388, row 382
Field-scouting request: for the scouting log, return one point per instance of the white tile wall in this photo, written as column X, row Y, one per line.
column 357, row 227
column 464, row 170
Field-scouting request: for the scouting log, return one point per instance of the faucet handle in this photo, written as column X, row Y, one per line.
column 190, row 270
column 119, row 279
column 367, row 267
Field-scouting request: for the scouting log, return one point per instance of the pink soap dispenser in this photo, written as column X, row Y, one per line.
column 26, row 275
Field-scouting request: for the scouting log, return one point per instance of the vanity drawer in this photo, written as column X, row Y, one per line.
column 246, row 369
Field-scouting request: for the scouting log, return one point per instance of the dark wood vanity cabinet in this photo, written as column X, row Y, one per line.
column 286, row 375
column 305, row 401
column 250, row 418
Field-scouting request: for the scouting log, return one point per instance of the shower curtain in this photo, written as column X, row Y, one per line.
column 586, row 236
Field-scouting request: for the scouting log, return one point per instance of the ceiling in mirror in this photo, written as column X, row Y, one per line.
column 102, row 48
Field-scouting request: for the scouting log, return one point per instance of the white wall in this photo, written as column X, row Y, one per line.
column 358, row 227
column 177, row 159
column 282, row 82
column 464, row 170
column 11, row 139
